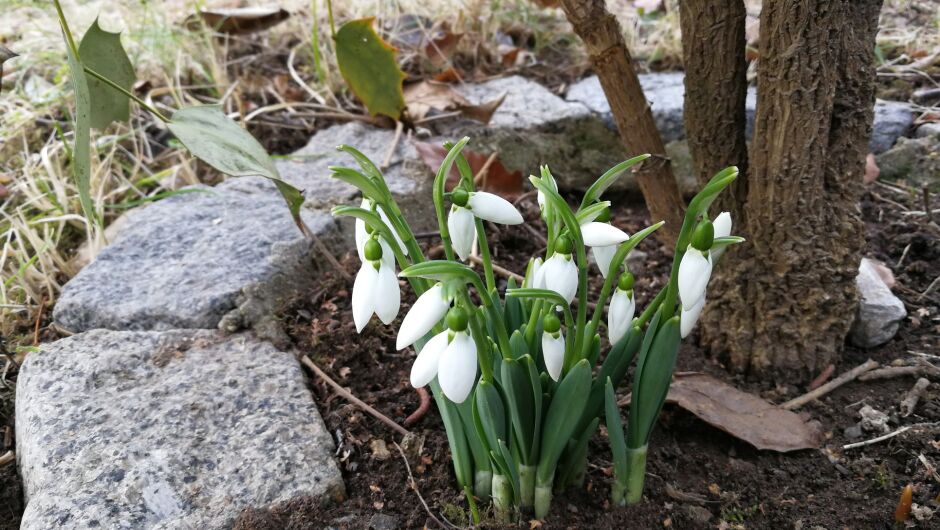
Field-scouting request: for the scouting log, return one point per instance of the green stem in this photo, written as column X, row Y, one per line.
column 440, row 179
column 480, row 338
column 483, row 483
column 636, row 474
column 485, row 255
column 533, row 321
column 66, row 30
column 329, row 9
column 527, row 485
column 127, row 93
column 502, row 498
column 474, row 511
column 652, row 306
column 543, row 500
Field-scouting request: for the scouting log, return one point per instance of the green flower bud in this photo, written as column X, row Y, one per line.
column 373, row 250
column 369, row 229
column 703, row 236
column 604, row 216
column 457, row 319
column 563, row 244
column 625, row 283
column 550, row 323
column 460, row 197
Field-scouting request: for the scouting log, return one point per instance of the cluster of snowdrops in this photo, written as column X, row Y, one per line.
column 519, row 379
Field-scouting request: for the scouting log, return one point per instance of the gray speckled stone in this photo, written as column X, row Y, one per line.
column 165, row 430
column 223, row 257
column 879, row 312
column 893, row 119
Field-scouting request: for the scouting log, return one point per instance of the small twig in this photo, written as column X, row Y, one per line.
column 506, row 273
column 830, row 386
column 922, row 354
column 929, row 287
column 7, row 458
column 822, row 377
column 422, row 409
column 889, row 201
column 903, row 255
column 414, row 486
column 479, row 180
column 42, row 301
column 888, row 436
column 353, row 399
column 889, row 372
column 399, row 127
column 909, row 403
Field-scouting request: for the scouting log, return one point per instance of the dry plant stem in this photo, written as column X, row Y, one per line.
column 611, row 60
column 851, row 375
column 909, row 403
column 922, row 368
column 888, row 436
column 353, row 399
column 822, row 378
column 422, row 409
column 7, row 458
column 399, row 127
column 414, row 485
column 505, row 273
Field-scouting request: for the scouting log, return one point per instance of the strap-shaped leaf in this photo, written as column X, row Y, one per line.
column 373, row 221
column 652, row 380
column 490, row 411
column 618, row 445
column 518, row 343
column 367, row 186
column 513, row 468
column 513, row 309
column 456, row 437
column 566, row 406
column 520, row 404
column 443, row 270
column 369, row 67
column 481, row 458
column 81, row 150
column 366, row 163
column 101, row 51
column 608, row 178
column 576, row 454
column 590, row 213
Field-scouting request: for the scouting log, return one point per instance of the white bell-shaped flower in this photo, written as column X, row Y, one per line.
column 362, row 235
column 463, row 231
column 688, row 318
column 424, row 369
column 540, row 196
column 598, row 234
column 427, row 311
column 695, row 269
column 493, row 208
column 560, row 274
column 620, row 314
column 457, row 370
column 603, row 256
column 532, row 276
column 375, row 291
column 722, row 225
column 553, row 353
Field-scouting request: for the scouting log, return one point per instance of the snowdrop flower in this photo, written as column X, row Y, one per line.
column 532, row 274
column 486, row 206
column 541, row 196
column 559, row 272
column 427, row 311
column 424, row 369
column 695, row 269
column 375, row 289
column 603, row 256
column 362, row 234
column 722, row 226
column 451, row 356
column 603, row 239
column 622, row 308
column 689, row 317
column 553, row 346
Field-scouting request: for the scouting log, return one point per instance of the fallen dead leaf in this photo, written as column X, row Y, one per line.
column 742, row 415
column 497, row 179
column 422, row 97
column 441, row 47
column 239, row 20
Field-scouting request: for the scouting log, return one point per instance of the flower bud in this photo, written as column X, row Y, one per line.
column 626, row 281
column 551, row 323
column 373, row 250
column 457, row 319
column 460, row 197
column 703, row 236
column 563, row 244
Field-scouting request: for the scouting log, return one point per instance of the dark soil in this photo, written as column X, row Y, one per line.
column 698, row 476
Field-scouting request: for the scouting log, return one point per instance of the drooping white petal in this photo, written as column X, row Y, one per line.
column 596, row 234
column 722, row 225
column 463, row 232
column 457, row 370
column 540, row 197
column 361, row 238
column 694, row 271
column 363, row 295
column 553, row 353
column 384, row 217
column 688, row 318
column 387, row 295
column 532, row 278
column 560, row 274
column 424, row 369
column 427, row 311
column 494, row 208
column 603, row 256
column 620, row 315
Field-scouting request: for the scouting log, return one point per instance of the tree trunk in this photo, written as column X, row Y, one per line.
column 608, row 52
column 713, row 47
column 787, row 297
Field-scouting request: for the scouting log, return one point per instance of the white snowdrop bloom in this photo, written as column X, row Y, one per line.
column 532, row 278
column 463, row 232
column 620, row 314
column 694, row 271
column 375, row 291
column 362, row 236
column 560, row 274
column 541, row 196
column 603, row 256
column 457, row 369
column 424, row 369
column 597, row 234
column 553, row 353
column 722, row 226
column 493, row 208
column 427, row 311
column 688, row 318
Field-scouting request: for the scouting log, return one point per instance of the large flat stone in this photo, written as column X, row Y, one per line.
column 665, row 92
column 220, row 257
column 165, row 430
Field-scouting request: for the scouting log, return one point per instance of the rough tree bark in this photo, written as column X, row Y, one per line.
column 786, row 299
column 611, row 60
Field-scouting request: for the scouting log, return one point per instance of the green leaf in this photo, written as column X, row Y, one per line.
column 491, row 413
column 217, row 140
column 566, row 408
column 590, row 213
column 456, row 437
column 618, row 445
column 520, row 403
column 652, row 380
column 367, row 186
column 442, row 270
column 481, row 459
column 576, row 453
column 369, row 67
column 609, row 177
column 101, row 51
column 81, row 152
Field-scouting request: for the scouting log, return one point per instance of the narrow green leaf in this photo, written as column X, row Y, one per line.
column 608, row 178
column 653, row 377
column 101, row 51
column 618, row 445
column 512, row 467
column 367, row 165
column 590, row 213
column 535, row 384
column 456, row 437
column 81, row 152
column 481, row 459
column 518, row 344
column 576, row 453
column 491, row 412
column 566, row 407
column 369, row 67
column 442, row 270
column 519, row 403
column 513, row 309
column 367, row 186
column 643, row 354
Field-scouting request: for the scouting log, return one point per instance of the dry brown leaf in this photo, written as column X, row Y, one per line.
column 440, row 48
column 422, row 97
column 547, row 3
column 742, row 415
column 497, row 179
column 239, row 20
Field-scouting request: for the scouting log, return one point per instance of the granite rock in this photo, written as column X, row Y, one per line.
column 879, row 312
column 165, row 430
column 893, row 119
column 913, row 160
column 221, row 257
column 928, row 129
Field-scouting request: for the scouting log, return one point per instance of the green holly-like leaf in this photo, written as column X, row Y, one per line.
column 101, row 51
column 369, row 67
